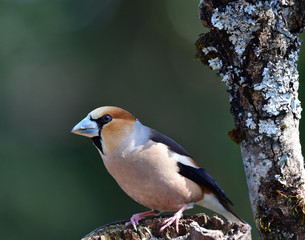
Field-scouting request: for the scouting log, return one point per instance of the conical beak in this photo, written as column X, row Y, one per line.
column 86, row 127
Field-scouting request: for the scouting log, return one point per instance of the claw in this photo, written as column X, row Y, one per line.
column 174, row 218
column 134, row 221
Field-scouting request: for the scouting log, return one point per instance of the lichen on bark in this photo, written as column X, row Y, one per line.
column 254, row 47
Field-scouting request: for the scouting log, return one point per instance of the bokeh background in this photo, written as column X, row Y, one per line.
column 61, row 59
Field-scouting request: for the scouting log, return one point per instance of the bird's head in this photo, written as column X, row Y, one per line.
column 108, row 127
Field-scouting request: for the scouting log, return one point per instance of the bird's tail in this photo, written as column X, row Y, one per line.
column 231, row 216
column 211, row 202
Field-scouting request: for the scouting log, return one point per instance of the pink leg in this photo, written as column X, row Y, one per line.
column 174, row 218
column 139, row 216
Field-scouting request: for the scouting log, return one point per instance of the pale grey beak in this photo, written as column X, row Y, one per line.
column 86, row 127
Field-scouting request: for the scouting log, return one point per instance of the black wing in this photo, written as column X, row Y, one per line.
column 198, row 175
column 172, row 145
column 201, row 176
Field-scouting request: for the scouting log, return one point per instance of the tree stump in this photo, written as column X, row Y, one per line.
column 194, row 227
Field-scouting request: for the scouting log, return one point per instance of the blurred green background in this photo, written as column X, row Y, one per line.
column 62, row 59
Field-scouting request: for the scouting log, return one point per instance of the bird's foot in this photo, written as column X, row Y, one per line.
column 134, row 220
column 139, row 216
column 174, row 218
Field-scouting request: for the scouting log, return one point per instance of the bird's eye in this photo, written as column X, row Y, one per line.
column 103, row 120
column 106, row 118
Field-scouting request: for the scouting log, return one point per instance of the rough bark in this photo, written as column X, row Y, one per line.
column 195, row 227
column 254, row 45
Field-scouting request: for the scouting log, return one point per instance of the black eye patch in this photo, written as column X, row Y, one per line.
column 103, row 120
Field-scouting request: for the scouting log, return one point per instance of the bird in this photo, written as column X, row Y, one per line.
column 151, row 168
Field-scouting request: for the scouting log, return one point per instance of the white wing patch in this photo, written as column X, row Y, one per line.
column 185, row 160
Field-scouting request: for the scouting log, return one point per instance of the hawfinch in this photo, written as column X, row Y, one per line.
column 150, row 167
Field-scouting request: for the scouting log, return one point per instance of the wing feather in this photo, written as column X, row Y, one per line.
column 201, row 176
column 197, row 174
column 170, row 143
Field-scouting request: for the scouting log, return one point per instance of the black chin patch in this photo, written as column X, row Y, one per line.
column 97, row 142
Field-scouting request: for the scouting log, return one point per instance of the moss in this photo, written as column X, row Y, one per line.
column 296, row 203
column 263, row 220
column 264, row 223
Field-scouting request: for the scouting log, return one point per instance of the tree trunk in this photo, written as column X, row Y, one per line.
column 254, row 45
